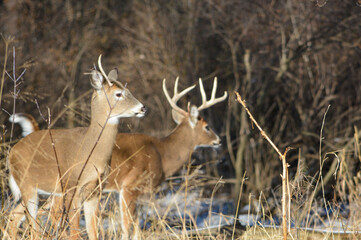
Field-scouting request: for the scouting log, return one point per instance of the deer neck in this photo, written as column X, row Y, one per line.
column 176, row 149
column 99, row 138
column 102, row 134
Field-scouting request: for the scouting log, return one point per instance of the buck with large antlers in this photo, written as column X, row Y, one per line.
column 139, row 160
column 71, row 162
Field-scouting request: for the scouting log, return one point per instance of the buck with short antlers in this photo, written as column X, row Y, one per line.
column 139, row 160
column 71, row 162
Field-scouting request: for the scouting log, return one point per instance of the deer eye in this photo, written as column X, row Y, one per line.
column 206, row 127
column 119, row 94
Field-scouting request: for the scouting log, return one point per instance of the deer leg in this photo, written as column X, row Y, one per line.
column 127, row 204
column 90, row 193
column 17, row 216
column 29, row 205
column 91, row 220
column 55, row 207
column 32, row 208
column 73, row 216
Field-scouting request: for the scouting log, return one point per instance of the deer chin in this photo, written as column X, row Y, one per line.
column 213, row 146
column 140, row 114
column 115, row 119
column 216, row 146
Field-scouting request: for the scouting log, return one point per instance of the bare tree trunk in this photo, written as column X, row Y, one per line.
column 243, row 140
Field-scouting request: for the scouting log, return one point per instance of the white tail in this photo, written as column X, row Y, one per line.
column 70, row 162
column 139, row 161
column 26, row 121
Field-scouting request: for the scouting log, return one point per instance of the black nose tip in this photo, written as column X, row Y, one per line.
column 220, row 142
column 144, row 109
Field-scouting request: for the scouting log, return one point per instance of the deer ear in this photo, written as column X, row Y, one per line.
column 113, row 75
column 96, row 79
column 193, row 116
column 177, row 117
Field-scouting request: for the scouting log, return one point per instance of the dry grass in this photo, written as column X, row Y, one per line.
column 289, row 59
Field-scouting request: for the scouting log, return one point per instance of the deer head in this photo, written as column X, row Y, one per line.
column 200, row 131
column 111, row 100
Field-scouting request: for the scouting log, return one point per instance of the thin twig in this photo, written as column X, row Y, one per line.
column 7, row 41
column 285, row 188
column 16, row 92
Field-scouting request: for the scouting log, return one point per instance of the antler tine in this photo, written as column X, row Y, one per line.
column 203, row 93
column 102, row 70
column 177, row 95
column 213, row 100
column 175, row 86
column 214, row 89
column 173, row 101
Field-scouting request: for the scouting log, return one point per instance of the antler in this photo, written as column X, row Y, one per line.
column 102, row 70
column 213, row 100
column 173, row 101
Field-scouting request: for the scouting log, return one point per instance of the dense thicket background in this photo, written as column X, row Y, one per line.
column 289, row 59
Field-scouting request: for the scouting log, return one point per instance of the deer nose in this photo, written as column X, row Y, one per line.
column 144, row 109
column 141, row 112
